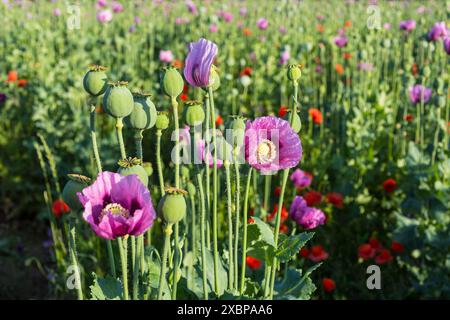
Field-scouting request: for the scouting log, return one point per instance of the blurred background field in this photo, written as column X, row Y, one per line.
column 378, row 157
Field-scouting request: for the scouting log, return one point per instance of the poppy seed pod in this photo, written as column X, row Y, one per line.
column 118, row 100
column 224, row 149
column 214, row 78
column 194, row 113
column 172, row 206
column 237, row 133
column 191, row 189
column 162, row 121
column 144, row 112
column 148, row 168
column 133, row 166
column 294, row 72
column 296, row 121
column 172, row 82
column 95, row 80
column 75, row 184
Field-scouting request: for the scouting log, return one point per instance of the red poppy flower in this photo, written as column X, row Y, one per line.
column 316, row 115
column 414, row 69
column 253, row 263
column 183, row 96
column 397, row 247
column 312, row 198
column 284, row 213
column 328, row 285
column 366, row 252
column 219, row 120
column 177, row 64
column 277, row 191
column 185, row 88
column 247, row 32
column 339, row 68
column 247, row 71
column 250, row 220
column 335, row 199
column 383, row 257
column 22, row 83
column 318, row 254
column 59, row 207
column 284, row 228
column 348, row 24
column 347, row 55
column 282, row 111
column 409, row 117
column 13, row 76
column 389, row 185
column 320, row 28
column 374, row 243
column 304, row 253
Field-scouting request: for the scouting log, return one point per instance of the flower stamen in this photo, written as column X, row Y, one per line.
column 266, row 152
column 116, row 209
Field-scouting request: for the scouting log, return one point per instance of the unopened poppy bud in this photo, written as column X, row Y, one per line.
column 144, row 112
column 118, row 100
column 185, row 172
column 95, row 80
column 191, row 189
column 194, row 113
column 427, row 71
column 296, row 121
column 214, row 78
column 237, row 127
column 172, row 82
column 148, row 168
column 162, row 121
column 172, row 206
column 294, row 72
column 133, row 166
column 75, row 184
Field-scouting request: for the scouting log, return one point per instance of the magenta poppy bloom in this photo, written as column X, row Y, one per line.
column 387, row 26
column 301, row 179
column 166, row 56
column 271, row 144
column 117, row 7
column 408, row 25
column 417, row 92
column 101, row 3
column 116, row 206
column 57, row 12
column 227, row 16
column 282, row 29
column 341, row 41
column 447, row 44
column 243, row 11
column 285, row 56
column 104, row 16
column 199, row 61
column 262, row 23
column 191, row 7
column 438, row 31
column 307, row 217
column 213, row 28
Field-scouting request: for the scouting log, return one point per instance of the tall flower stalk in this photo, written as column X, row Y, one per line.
column 244, row 236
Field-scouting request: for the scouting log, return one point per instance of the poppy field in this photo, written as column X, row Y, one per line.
column 232, row 150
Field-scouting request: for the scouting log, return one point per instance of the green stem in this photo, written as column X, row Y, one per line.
column 162, row 275
column 94, row 139
column 207, row 180
column 244, row 236
column 236, row 221
column 119, row 127
column 138, row 137
column 158, row 161
column 123, row 260
column 226, row 164
column 112, row 264
column 136, row 263
column 214, row 215
column 73, row 257
column 202, row 234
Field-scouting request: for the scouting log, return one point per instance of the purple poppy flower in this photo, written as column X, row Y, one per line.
column 416, row 92
column 447, row 44
column 132, row 28
column 227, row 16
column 104, row 16
column 387, row 26
column 3, row 97
column 285, row 56
column 213, row 28
column 408, row 25
column 165, row 56
column 271, row 144
column 137, row 20
column 301, row 179
column 101, row 3
column 307, row 217
column 199, row 61
column 116, row 7
column 262, row 23
column 341, row 41
column 191, row 7
column 318, row 68
column 282, row 29
column 438, row 31
column 116, row 206
column 56, row 12
column 243, row 11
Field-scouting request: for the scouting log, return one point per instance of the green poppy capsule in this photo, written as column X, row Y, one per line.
column 214, row 78
column 172, row 82
column 191, row 189
column 75, row 184
column 294, row 72
column 95, row 81
column 144, row 112
column 236, row 131
column 118, row 100
column 162, row 121
column 133, row 166
column 194, row 113
column 172, row 207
